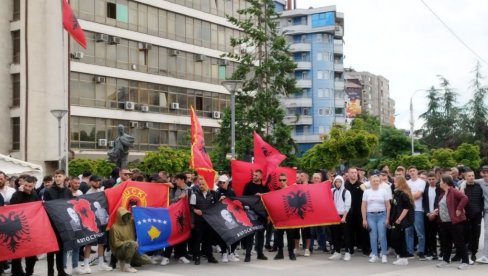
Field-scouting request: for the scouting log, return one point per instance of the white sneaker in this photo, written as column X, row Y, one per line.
column 78, row 271
column 129, row 269
column 401, row 261
column 373, row 259
column 482, row 260
column 236, row 255
column 233, row 258
column 442, row 264
column 335, row 256
column 157, row 258
column 384, row 259
column 225, row 258
column 87, row 269
column 104, row 267
column 471, row 262
column 165, row 261
column 347, row 257
column 463, row 266
column 183, row 260
column 306, row 253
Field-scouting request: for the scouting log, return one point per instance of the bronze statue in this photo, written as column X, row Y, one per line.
column 119, row 153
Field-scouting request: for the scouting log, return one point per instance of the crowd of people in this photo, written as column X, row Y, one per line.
column 408, row 211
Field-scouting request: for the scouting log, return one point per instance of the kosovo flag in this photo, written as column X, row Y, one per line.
column 162, row 227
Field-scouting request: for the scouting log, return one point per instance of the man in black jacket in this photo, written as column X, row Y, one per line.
column 474, row 212
column 28, row 194
column 429, row 197
column 255, row 187
column 57, row 191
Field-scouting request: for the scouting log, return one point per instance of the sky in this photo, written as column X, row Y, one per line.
column 402, row 41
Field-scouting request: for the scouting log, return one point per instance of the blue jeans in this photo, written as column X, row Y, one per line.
column 376, row 222
column 418, row 225
column 319, row 235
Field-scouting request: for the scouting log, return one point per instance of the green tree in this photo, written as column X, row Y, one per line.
column 265, row 65
column 102, row 167
column 165, row 158
column 77, row 166
column 443, row 157
column 340, row 145
column 468, row 154
column 421, row 161
column 394, row 142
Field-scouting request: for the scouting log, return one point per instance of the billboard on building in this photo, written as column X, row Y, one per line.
column 353, row 100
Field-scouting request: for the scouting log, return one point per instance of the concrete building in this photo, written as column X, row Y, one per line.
column 146, row 62
column 315, row 38
column 374, row 95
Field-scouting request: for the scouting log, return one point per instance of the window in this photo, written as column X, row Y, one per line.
column 16, row 12
column 15, row 90
column 16, row 46
column 118, row 11
column 15, row 122
column 327, row 111
column 318, row 37
column 339, row 111
column 321, row 111
column 320, row 56
column 320, row 75
column 323, row 19
column 305, row 111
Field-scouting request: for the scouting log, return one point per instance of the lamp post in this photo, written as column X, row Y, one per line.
column 232, row 86
column 412, row 122
column 59, row 114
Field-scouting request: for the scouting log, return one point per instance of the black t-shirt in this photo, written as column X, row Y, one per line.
column 21, row 197
column 356, row 196
column 401, row 202
column 2, row 202
column 252, row 189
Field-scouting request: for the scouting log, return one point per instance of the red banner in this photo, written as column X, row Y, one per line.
column 265, row 155
column 241, row 174
column 25, row 231
column 199, row 160
column 130, row 193
column 273, row 179
column 71, row 25
column 301, row 206
column 179, row 213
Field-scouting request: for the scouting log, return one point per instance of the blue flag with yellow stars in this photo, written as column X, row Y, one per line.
column 157, row 228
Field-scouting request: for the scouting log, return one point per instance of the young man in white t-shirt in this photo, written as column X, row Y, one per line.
column 417, row 186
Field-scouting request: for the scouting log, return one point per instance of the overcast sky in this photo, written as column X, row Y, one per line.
column 405, row 43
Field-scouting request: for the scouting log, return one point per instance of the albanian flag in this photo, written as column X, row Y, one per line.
column 25, row 231
column 161, row 227
column 199, row 160
column 79, row 221
column 301, row 206
column 241, row 174
column 273, row 178
column 232, row 220
column 266, row 155
column 132, row 193
column 71, row 25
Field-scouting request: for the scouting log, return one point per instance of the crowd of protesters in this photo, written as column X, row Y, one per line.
column 406, row 213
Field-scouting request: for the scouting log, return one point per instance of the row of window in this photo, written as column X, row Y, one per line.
column 307, row 130
column 157, row 22
column 97, row 133
column 322, row 111
column 92, row 91
column 307, row 38
column 133, row 55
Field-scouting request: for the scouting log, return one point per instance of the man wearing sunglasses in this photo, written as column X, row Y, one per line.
column 280, row 232
column 124, row 175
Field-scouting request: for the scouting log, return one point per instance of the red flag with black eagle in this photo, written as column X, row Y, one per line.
column 273, row 179
column 301, row 206
column 265, row 155
column 199, row 160
column 241, row 174
column 71, row 25
column 132, row 193
column 25, row 231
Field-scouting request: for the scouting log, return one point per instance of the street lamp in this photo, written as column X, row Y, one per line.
column 59, row 114
column 412, row 122
column 232, row 86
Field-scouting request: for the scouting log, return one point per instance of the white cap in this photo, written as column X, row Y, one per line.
column 223, row 178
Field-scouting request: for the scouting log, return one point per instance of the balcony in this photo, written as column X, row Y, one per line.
column 339, row 31
column 300, row 47
column 303, row 65
column 338, row 49
column 338, row 66
column 301, row 120
column 295, row 29
column 307, row 138
column 339, row 85
column 308, row 84
column 296, row 102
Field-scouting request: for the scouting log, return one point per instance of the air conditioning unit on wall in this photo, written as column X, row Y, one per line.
column 129, row 105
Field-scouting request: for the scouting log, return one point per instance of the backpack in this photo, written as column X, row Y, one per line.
column 343, row 194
